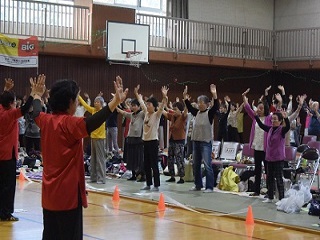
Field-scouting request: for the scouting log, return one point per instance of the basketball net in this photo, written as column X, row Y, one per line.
column 134, row 58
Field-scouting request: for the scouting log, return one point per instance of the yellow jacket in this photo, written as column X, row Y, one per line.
column 100, row 132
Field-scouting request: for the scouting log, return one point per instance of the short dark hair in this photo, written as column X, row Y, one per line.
column 179, row 105
column 7, row 98
column 279, row 114
column 153, row 101
column 61, row 93
column 135, row 102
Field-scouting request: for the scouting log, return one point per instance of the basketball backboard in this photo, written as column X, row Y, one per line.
column 127, row 37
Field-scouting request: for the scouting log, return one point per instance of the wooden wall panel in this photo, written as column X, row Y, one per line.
column 95, row 75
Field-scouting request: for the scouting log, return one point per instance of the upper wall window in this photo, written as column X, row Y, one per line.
column 154, row 7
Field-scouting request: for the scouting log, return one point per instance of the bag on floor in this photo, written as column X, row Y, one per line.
column 188, row 171
column 229, row 180
column 314, row 208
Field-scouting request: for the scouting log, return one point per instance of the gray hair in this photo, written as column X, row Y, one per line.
column 203, row 98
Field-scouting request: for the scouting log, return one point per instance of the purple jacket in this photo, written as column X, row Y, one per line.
column 267, row 121
column 275, row 145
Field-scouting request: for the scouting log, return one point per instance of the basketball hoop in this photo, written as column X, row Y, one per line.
column 134, row 57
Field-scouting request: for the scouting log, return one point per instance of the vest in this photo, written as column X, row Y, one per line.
column 202, row 128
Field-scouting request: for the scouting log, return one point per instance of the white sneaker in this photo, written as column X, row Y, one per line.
column 268, row 200
column 145, row 188
column 208, row 190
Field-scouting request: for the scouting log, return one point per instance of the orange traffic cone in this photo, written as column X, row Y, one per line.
column 116, row 196
column 161, row 214
column 249, row 218
column 21, row 176
column 249, row 231
column 161, row 204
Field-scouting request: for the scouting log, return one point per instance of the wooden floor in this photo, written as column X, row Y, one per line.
column 136, row 219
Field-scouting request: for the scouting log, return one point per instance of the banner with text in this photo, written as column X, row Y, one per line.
column 19, row 53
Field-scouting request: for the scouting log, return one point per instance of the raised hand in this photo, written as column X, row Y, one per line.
column 164, row 91
column 213, row 90
column 278, row 97
column 267, row 88
column 119, row 95
column 280, row 87
column 38, row 86
column 246, row 92
column 185, row 93
column 8, row 84
column 261, row 98
column 136, row 90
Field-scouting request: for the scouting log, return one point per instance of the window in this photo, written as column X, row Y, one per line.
column 154, row 7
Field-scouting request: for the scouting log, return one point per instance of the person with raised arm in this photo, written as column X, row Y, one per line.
column 177, row 135
column 275, row 151
column 63, row 180
column 9, row 144
column 134, row 146
column 202, row 137
column 150, row 136
column 258, row 138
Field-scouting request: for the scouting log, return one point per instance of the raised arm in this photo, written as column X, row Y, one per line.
column 85, row 105
column 261, row 125
column 38, row 88
column 215, row 107
column 139, row 98
column 267, row 96
column 164, row 91
column 186, row 98
column 295, row 114
column 120, row 94
column 246, row 104
column 9, row 84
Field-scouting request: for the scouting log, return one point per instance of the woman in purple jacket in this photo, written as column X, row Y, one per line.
column 275, row 151
column 258, row 138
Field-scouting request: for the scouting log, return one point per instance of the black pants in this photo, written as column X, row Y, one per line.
column 275, row 171
column 63, row 225
column 232, row 134
column 7, row 187
column 259, row 157
column 32, row 143
column 151, row 162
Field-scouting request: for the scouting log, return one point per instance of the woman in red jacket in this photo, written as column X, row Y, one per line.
column 62, row 151
column 9, row 133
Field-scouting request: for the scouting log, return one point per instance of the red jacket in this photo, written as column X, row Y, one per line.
column 9, row 132
column 63, row 168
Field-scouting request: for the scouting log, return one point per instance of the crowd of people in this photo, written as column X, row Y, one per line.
column 51, row 120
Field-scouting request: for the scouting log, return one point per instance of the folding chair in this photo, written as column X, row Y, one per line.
column 308, row 138
column 247, row 152
column 290, row 161
column 314, row 144
column 228, row 154
column 216, row 147
column 308, row 165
